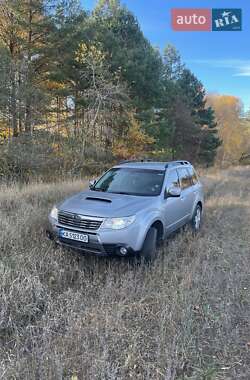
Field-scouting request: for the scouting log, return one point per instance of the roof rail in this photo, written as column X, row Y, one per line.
column 139, row 160
column 174, row 163
column 167, row 164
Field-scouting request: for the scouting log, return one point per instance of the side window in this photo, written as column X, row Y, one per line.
column 172, row 179
column 185, row 178
column 193, row 175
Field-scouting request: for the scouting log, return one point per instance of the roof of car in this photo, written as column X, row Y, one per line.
column 151, row 164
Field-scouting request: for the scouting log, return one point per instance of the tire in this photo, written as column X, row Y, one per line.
column 148, row 252
column 196, row 219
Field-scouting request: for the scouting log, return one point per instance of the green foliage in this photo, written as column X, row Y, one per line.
column 203, row 116
column 78, row 75
column 128, row 51
column 182, row 123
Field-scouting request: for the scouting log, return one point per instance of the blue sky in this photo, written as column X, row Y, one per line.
column 221, row 60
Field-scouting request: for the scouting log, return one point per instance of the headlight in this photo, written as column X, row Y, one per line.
column 54, row 213
column 118, row 223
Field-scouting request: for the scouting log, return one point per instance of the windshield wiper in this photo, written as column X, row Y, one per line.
column 119, row 192
column 133, row 194
column 101, row 190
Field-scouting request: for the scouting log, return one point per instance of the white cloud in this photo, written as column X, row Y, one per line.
column 240, row 67
column 243, row 72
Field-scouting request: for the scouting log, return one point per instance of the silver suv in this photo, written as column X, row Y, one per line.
column 130, row 209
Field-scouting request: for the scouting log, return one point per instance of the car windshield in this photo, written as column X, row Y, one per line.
column 131, row 181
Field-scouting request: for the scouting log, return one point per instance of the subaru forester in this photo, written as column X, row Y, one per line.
column 130, row 209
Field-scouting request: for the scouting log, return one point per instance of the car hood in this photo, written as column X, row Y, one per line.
column 94, row 203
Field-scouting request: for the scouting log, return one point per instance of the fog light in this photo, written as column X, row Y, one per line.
column 123, row 251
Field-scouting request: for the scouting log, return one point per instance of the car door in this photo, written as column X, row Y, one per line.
column 173, row 213
column 187, row 193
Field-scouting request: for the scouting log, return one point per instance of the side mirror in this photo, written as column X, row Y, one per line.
column 173, row 192
column 92, row 183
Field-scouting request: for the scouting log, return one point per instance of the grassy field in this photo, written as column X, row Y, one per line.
column 66, row 316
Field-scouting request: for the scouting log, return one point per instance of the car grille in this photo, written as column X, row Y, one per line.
column 74, row 220
column 93, row 247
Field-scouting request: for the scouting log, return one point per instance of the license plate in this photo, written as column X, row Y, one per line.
column 74, row 236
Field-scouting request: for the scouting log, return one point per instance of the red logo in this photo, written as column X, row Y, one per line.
column 191, row 19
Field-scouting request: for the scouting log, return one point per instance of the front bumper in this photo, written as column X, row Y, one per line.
column 101, row 243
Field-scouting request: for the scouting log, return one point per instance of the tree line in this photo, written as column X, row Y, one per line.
column 234, row 129
column 89, row 85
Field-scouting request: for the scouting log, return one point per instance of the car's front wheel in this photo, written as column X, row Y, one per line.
column 197, row 219
column 148, row 252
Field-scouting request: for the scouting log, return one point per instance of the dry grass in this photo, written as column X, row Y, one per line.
column 65, row 316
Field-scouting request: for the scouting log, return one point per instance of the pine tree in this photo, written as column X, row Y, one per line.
column 203, row 116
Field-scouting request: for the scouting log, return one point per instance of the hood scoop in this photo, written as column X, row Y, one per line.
column 98, row 199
